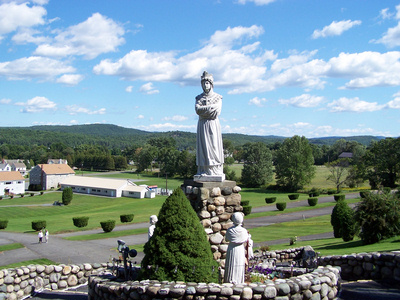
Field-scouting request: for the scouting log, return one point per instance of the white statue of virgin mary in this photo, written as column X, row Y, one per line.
column 209, row 149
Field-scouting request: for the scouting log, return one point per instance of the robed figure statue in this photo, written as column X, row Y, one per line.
column 209, row 149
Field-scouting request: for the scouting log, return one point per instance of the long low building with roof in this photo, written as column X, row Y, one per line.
column 106, row 187
column 11, row 183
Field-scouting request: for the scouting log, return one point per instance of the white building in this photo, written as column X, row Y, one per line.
column 5, row 167
column 105, row 187
column 50, row 176
column 20, row 167
column 11, row 182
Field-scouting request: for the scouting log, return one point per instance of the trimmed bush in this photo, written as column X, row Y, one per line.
column 22, row 195
column 312, row 201
column 38, row 225
column 270, row 200
column 245, row 202
column 80, row 221
column 343, row 222
column 35, row 187
column 3, row 223
column 108, row 225
column 41, row 192
column 179, row 245
column 294, row 196
column 1, row 197
column 126, row 218
column 338, row 197
column 281, row 206
column 32, row 194
column 314, row 192
column 364, row 194
column 247, row 210
column 331, row 191
column 67, row 195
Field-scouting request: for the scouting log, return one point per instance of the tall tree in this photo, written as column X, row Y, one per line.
column 381, row 163
column 339, row 172
column 294, row 163
column 257, row 168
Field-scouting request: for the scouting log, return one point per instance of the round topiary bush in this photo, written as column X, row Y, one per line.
column 312, row 201
column 281, row 206
column 270, row 200
column 3, row 223
column 247, row 210
column 126, row 218
column 294, row 196
column 80, row 221
column 38, row 225
column 338, row 197
column 245, row 202
column 108, row 225
column 314, row 192
column 331, row 191
column 364, row 194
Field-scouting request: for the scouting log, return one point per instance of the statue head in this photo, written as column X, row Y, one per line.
column 207, row 82
column 237, row 218
column 153, row 219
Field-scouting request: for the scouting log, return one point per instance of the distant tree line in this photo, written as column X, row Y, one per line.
column 292, row 160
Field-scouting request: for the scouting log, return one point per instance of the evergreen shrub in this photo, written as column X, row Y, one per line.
column 294, row 196
column 67, row 195
column 80, row 221
column 343, row 221
column 364, row 194
column 244, row 202
column 378, row 216
column 247, row 210
column 126, row 218
column 179, row 249
column 281, row 206
column 22, row 195
column 38, row 225
column 338, row 197
column 3, row 223
column 312, row 201
column 1, row 197
column 331, row 191
column 32, row 194
column 387, row 190
column 108, row 225
column 270, row 200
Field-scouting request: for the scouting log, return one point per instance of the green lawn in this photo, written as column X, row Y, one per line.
column 41, row 261
column 10, row 247
column 334, row 246
column 59, row 218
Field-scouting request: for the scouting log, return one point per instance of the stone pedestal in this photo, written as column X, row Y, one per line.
column 209, row 178
column 214, row 203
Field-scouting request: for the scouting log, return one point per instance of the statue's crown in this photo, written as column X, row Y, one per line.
column 207, row 76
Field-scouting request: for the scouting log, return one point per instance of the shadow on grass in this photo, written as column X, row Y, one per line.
column 336, row 246
column 397, row 241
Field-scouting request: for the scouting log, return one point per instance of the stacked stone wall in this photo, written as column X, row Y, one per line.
column 215, row 203
column 323, row 283
column 19, row 283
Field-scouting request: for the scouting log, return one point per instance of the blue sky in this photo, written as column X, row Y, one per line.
column 284, row 67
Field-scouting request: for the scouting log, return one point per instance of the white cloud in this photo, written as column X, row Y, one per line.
column 335, row 28
column 256, row 2
column 354, row 105
column 231, row 67
column 29, row 35
column 257, row 101
column 70, row 79
column 305, row 100
column 97, row 35
column 176, row 118
column 37, row 104
column 14, row 16
column 34, row 67
column 385, row 14
column 75, row 109
column 129, row 88
column 167, row 127
column 148, row 89
column 140, row 117
column 5, row 101
column 395, row 103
